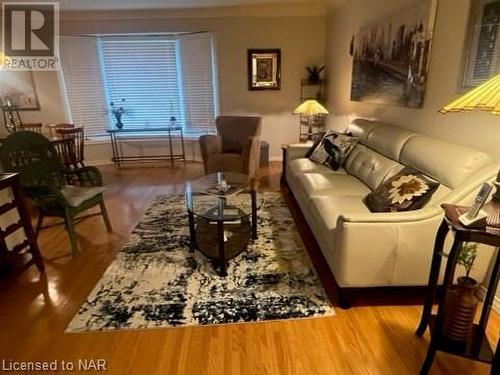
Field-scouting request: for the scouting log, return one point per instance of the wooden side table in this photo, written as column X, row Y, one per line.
column 477, row 347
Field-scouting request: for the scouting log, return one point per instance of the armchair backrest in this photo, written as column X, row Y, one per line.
column 34, row 157
column 235, row 131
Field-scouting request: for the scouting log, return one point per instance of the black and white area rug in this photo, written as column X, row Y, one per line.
column 155, row 281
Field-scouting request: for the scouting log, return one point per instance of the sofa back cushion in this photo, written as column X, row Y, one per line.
column 361, row 128
column 388, row 140
column 445, row 162
column 370, row 167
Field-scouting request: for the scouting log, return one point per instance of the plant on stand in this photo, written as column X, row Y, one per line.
column 314, row 74
column 462, row 300
column 118, row 112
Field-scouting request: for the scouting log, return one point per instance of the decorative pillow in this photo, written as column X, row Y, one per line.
column 315, row 144
column 406, row 191
column 333, row 149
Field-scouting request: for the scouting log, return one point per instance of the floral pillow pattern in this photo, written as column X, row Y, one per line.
column 333, row 149
column 406, row 191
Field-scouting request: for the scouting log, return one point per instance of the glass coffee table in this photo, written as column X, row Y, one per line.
column 222, row 211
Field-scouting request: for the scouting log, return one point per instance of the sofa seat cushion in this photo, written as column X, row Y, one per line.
column 326, row 209
column 332, row 184
column 227, row 162
column 303, row 165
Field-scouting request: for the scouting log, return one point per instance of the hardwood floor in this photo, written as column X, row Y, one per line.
column 369, row 339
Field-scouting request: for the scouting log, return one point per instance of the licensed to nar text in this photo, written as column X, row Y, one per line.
column 83, row 364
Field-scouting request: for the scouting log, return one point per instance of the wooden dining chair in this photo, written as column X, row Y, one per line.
column 64, row 125
column 72, row 147
column 30, row 127
column 40, row 170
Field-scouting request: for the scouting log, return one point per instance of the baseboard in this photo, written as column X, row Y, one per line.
column 276, row 158
column 496, row 300
column 96, row 163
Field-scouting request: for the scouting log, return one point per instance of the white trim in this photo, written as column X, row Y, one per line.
column 95, row 163
column 496, row 300
column 276, row 158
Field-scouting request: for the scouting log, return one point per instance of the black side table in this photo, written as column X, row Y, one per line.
column 477, row 346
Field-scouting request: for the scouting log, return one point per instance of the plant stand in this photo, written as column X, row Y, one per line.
column 477, row 346
column 311, row 128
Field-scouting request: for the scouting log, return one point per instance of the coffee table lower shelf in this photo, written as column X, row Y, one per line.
column 206, row 238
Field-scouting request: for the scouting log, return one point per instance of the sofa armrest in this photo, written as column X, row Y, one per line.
column 251, row 155
column 392, row 217
column 210, row 144
column 297, row 151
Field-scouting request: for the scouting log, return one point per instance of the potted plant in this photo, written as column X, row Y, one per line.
column 314, row 73
column 118, row 112
column 462, row 300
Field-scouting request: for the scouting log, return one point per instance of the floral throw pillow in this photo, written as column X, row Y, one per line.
column 406, row 191
column 333, row 149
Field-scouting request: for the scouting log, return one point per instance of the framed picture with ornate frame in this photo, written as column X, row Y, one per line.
column 18, row 89
column 264, row 69
column 481, row 58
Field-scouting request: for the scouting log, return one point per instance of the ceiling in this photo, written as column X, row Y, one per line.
column 86, row 5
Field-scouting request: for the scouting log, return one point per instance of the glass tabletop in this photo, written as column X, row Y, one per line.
column 222, row 196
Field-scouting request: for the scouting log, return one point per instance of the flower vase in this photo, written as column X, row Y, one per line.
column 119, row 123
column 460, row 309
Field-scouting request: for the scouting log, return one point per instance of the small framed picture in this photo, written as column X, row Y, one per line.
column 264, row 69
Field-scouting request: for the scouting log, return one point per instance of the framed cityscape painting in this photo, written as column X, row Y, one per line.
column 18, row 89
column 391, row 57
column 482, row 44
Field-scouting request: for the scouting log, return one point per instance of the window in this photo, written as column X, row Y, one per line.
column 157, row 76
column 83, row 84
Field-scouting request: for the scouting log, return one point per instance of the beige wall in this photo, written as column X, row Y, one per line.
column 478, row 130
column 301, row 39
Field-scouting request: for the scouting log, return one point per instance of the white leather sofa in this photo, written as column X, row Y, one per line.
column 365, row 249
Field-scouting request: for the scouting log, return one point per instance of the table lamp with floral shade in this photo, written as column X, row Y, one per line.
column 310, row 108
column 485, row 97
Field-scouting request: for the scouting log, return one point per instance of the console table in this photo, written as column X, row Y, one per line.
column 477, row 346
column 167, row 132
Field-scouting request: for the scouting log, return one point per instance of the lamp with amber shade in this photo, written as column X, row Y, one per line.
column 310, row 108
column 485, row 97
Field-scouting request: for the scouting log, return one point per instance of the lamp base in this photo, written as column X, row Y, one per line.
column 492, row 208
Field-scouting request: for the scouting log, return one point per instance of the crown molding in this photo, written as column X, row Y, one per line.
column 299, row 9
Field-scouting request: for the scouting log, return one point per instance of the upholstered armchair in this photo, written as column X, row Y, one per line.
column 235, row 148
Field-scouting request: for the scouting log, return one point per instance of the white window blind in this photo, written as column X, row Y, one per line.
column 144, row 72
column 198, row 83
column 83, row 83
column 157, row 76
